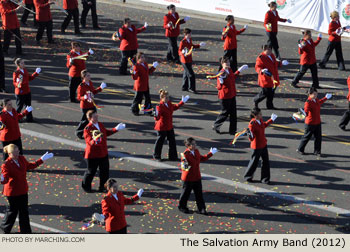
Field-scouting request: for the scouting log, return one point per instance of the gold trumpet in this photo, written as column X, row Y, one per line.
column 96, row 134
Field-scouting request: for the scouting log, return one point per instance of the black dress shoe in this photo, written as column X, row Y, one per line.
column 192, row 91
column 216, row 130
column 272, row 108
column 295, row 85
column 86, row 189
column 103, row 190
column 96, row 28
column 342, row 128
column 321, row 66
column 174, row 159
column 184, row 210
column 203, row 212
column 250, row 180
column 185, row 90
column 319, row 154
column 300, row 152
column 78, row 33
column 265, row 182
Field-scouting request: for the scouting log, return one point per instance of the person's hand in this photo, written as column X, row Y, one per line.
column 185, row 98
column 202, row 44
column 273, row 117
column 145, row 25
column 29, row 108
column 169, row 24
column 301, row 46
column 91, row 51
column 71, row 61
column 103, row 85
column 140, row 192
column 319, row 35
column 38, row 70
column 213, row 150
column 245, row 26
column 266, row 72
column 285, row 63
column 46, row 156
column 156, row 112
column 2, row 178
column 120, row 126
column 242, row 68
column 339, row 31
column 155, row 64
column 187, row 18
column 328, row 96
column 289, row 21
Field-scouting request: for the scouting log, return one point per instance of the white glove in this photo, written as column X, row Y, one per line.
column 202, row 44
column 102, row 216
column 213, row 150
column 264, row 70
column 242, row 68
column 320, row 35
column 140, row 192
column 103, row 85
column 70, row 61
column 185, row 98
column 183, row 51
column 339, row 31
column 328, row 96
column 38, row 70
column 289, row 21
column 46, row 156
column 156, row 112
column 85, row 97
column 91, row 51
column 273, row 117
column 120, row 126
column 300, row 46
column 186, row 18
column 245, row 26
column 145, row 25
column 285, row 62
column 2, row 178
column 29, row 108
column 155, row 64
column 169, row 24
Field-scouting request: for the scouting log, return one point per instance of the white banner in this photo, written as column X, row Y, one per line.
column 310, row 14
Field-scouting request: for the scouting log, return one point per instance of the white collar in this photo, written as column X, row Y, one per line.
column 115, row 196
column 274, row 13
column 87, row 83
column 21, row 70
column 16, row 162
column 97, row 126
column 130, row 29
column 270, row 57
column 308, row 41
column 192, row 152
column 188, row 40
column 314, row 100
column 258, row 122
column 166, row 104
column 173, row 15
column 10, row 113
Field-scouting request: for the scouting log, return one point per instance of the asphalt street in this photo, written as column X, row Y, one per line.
column 308, row 194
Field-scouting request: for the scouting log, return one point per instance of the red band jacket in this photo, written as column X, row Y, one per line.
column 164, row 120
column 11, row 131
column 42, row 10
column 141, row 76
column 186, row 44
column 230, row 37
column 312, row 109
column 128, row 38
column 308, row 55
column 77, row 66
column 172, row 31
column 332, row 28
column 272, row 18
column 82, row 90
column 9, row 15
column 227, row 89
column 258, row 129
column 269, row 62
column 21, row 81
column 193, row 174
column 70, row 4
column 349, row 89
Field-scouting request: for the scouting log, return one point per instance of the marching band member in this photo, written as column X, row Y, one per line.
column 29, row 5
column 21, row 80
column 44, row 20
column 13, row 177
column 312, row 109
column 259, row 145
column 75, row 67
column 96, row 152
column 128, row 43
column 140, row 75
column 346, row 116
column 226, row 85
column 268, row 78
column 87, row 5
column 71, row 6
column 271, row 26
column 164, row 125
column 113, row 205
column 10, row 132
column 10, row 25
column 191, row 176
column 307, row 58
column 229, row 36
column 185, row 51
column 171, row 25
column 334, row 42
column 85, row 94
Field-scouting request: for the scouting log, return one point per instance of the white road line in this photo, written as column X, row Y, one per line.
column 321, row 85
column 247, row 187
column 50, row 229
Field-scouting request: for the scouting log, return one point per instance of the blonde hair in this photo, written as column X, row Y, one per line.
column 163, row 93
column 334, row 14
column 10, row 148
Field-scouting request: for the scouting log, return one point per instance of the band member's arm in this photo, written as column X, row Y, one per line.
column 17, row 82
column 281, row 19
column 4, row 174
column 268, row 122
column 33, row 165
column 23, row 114
column 205, row 157
column 138, row 30
column 177, row 106
column 129, row 201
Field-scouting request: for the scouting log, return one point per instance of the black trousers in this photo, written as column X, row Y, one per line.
column 26, row 13
column 338, row 54
column 187, row 187
column 24, row 101
column 302, row 71
column 17, row 205
column 86, row 8
column 267, row 93
column 124, row 62
column 273, row 42
column 161, row 135
column 345, row 118
column 120, row 231
column 253, row 164
column 188, row 77
column 228, row 109
column 7, row 39
column 41, row 28
column 232, row 55
column 309, row 131
column 71, row 13
column 83, row 122
column 138, row 100
column 73, row 85
column 2, row 67
column 173, row 50
column 92, row 165
column 17, row 142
